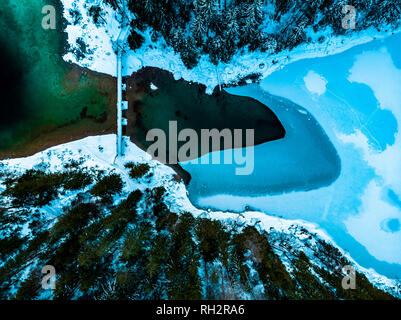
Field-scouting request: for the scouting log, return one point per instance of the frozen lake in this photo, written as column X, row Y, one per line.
column 339, row 166
column 304, row 159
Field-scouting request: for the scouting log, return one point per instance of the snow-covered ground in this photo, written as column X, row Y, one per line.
column 99, row 152
column 99, row 38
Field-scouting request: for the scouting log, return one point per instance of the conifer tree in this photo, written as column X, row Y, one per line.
column 253, row 17
column 198, row 27
column 232, row 30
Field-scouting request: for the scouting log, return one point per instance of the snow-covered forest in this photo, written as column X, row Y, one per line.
column 220, row 28
column 127, row 231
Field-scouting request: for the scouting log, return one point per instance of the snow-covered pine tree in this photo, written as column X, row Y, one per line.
column 175, row 38
column 232, row 27
column 216, row 49
column 205, row 7
column 198, row 27
column 253, row 17
column 189, row 53
column 297, row 34
column 363, row 4
column 270, row 44
column 387, row 11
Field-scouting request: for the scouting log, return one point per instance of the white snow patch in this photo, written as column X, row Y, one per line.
column 100, row 55
column 315, row 83
column 153, row 86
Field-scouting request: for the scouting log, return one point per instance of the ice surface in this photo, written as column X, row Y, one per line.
column 363, row 92
column 303, row 160
column 375, row 210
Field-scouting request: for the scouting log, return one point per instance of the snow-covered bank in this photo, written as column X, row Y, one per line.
column 99, row 153
column 101, row 57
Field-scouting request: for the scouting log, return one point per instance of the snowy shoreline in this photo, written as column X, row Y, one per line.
column 100, row 56
column 244, row 64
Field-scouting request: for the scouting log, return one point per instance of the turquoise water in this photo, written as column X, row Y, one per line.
column 308, row 160
column 315, row 175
